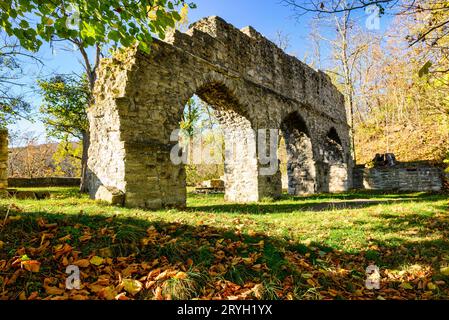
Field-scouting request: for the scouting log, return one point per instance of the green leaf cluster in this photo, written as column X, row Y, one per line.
column 120, row 22
column 64, row 103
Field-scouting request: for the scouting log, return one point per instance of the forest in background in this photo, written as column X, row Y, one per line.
column 395, row 80
column 30, row 159
column 401, row 100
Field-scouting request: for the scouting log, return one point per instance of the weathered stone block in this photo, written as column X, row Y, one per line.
column 111, row 195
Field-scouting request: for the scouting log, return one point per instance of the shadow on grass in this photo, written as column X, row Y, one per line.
column 219, row 256
column 279, row 207
column 367, row 195
column 314, row 203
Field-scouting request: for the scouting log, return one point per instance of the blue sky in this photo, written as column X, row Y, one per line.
column 267, row 16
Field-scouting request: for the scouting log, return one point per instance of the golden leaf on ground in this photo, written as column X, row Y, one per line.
column 257, row 267
column 17, row 262
column 53, row 290
column 406, row 286
column 61, row 249
column 33, row 295
column 181, row 276
column 162, row 276
column 158, row 294
column 84, row 263
column 311, row 282
column 95, row 288
column 130, row 269
column 445, row 271
column 2, row 244
column 258, row 291
column 149, row 284
column 104, row 280
column 154, row 273
column 131, row 286
column 108, row 293
column 66, row 238
column 431, row 286
column 252, row 233
column 146, row 241
column 14, row 277
column 85, row 238
column 31, row 265
column 97, row 261
column 65, row 261
column 333, row 292
column 358, row 292
column 43, row 247
column 60, row 298
column 121, row 296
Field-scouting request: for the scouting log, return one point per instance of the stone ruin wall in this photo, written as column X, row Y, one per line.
column 414, row 178
column 248, row 81
column 3, row 160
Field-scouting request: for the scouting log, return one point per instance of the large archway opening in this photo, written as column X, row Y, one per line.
column 223, row 144
column 202, row 140
column 300, row 164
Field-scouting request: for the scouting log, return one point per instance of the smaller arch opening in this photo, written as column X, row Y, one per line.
column 297, row 164
column 333, row 148
column 333, row 136
column 336, row 171
column 294, row 124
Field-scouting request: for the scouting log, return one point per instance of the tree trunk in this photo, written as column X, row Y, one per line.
column 84, row 170
column 349, row 86
column 91, row 71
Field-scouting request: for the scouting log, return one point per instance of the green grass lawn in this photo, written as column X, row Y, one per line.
column 314, row 247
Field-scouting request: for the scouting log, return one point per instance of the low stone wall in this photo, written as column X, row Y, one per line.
column 43, row 182
column 3, row 159
column 400, row 178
